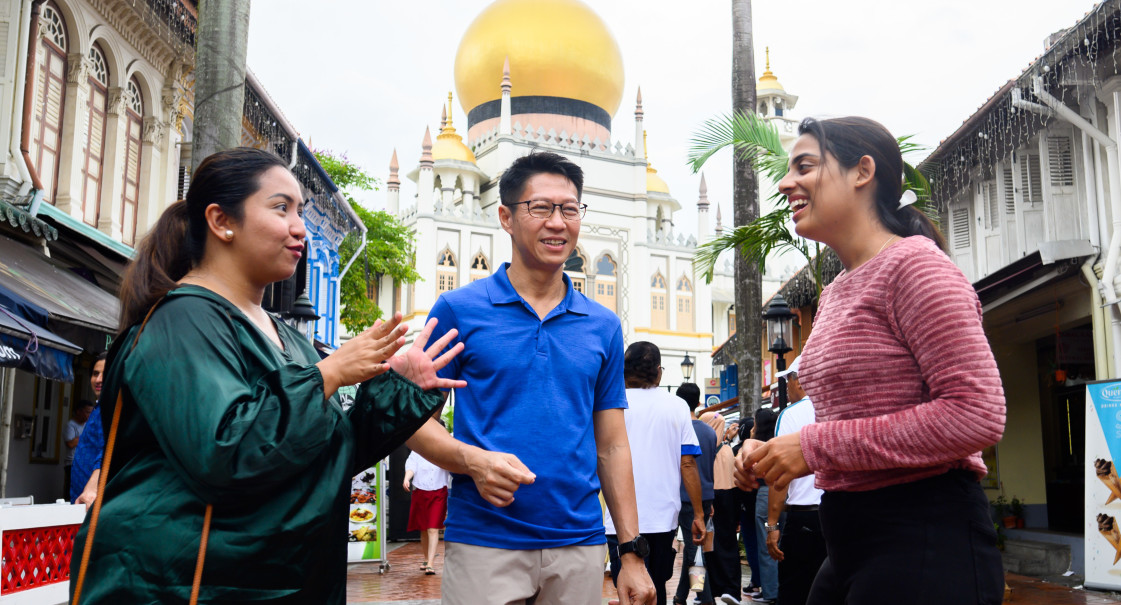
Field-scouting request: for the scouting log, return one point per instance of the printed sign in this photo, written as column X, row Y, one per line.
column 1103, row 487
column 711, row 400
column 367, row 516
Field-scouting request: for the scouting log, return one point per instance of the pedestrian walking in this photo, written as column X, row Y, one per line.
column 798, row 546
column 888, row 446
column 228, row 458
column 427, row 485
column 723, row 563
column 706, row 438
column 661, row 435
column 524, row 521
column 79, row 415
column 762, row 432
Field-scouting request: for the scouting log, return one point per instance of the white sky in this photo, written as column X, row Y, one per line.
column 365, row 77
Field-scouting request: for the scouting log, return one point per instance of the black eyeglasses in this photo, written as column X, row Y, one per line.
column 541, row 209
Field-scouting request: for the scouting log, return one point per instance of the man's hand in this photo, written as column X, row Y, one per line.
column 772, row 545
column 497, row 475
column 89, row 492
column 406, row 485
column 779, row 461
column 634, row 584
column 698, row 529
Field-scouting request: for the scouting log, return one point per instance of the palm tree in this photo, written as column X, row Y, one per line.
column 757, row 141
column 745, row 210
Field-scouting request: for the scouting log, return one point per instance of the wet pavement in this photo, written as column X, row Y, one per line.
column 405, row 584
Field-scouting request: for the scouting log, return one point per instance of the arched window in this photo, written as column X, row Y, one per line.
column 445, row 271
column 134, row 127
column 480, row 266
column 606, row 282
column 93, row 151
column 659, row 319
column 684, row 297
column 575, row 266
column 50, row 94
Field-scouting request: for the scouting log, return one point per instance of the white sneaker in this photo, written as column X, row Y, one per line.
column 729, row 599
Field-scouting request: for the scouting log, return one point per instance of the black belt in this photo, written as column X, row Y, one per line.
column 801, row 507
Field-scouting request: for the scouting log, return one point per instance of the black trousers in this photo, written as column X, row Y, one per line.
column 689, row 553
column 927, row 542
column 723, row 563
column 659, row 564
column 803, row 548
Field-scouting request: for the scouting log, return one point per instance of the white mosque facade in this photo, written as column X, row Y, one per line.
column 520, row 97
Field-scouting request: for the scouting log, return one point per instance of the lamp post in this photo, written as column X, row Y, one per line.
column 687, row 368
column 302, row 316
column 779, row 337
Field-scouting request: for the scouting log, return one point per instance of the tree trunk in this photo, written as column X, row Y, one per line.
column 223, row 34
column 745, row 208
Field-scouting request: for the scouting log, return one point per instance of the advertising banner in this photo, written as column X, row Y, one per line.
column 367, row 516
column 1103, row 488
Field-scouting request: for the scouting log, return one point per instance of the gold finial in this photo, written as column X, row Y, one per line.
column 645, row 149
column 449, row 109
column 768, row 49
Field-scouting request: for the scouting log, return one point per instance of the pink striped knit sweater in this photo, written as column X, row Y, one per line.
column 901, row 375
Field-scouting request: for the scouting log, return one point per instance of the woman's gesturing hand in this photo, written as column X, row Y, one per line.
column 778, row 461
column 421, row 361
column 363, row 357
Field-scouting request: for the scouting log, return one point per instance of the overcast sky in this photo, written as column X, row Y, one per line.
column 366, row 76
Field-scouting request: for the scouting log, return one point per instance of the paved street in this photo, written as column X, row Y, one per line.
column 405, row 584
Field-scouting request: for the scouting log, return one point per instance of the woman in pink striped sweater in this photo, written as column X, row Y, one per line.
column 904, row 385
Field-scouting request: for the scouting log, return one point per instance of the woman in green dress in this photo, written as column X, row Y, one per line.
column 229, row 414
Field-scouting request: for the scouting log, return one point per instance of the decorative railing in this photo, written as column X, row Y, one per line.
column 37, row 544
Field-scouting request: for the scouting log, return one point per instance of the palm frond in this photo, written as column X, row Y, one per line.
column 755, row 241
column 751, row 136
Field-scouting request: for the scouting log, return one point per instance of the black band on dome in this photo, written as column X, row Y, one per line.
column 547, row 105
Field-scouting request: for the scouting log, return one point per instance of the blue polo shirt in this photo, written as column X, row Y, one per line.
column 532, row 387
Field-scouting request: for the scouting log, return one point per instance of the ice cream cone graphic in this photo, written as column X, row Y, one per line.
column 1107, row 473
column 1107, row 527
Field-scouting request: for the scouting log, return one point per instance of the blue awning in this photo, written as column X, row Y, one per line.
column 26, row 346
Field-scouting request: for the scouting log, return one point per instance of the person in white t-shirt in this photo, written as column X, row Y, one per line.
column 73, row 431
column 798, row 545
column 664, row 447
column 428, row 506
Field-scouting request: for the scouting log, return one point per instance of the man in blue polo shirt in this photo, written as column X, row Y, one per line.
column 536, row 348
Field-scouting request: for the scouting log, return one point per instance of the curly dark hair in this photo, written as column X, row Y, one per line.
column 641, row 363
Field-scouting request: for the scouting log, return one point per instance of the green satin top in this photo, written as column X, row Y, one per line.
column 214, row 412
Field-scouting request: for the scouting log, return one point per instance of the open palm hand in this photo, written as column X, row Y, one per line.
column 421, row 361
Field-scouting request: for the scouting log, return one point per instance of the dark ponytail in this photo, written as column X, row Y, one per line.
column 848, row 140
column 177, row 243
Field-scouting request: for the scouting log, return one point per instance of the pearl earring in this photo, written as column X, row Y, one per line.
column 229, row 234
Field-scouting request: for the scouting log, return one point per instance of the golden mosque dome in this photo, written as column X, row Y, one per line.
column 768, row 81
column 449, row 145
column 558, row 49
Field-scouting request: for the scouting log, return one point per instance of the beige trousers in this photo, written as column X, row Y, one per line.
column 477, row 575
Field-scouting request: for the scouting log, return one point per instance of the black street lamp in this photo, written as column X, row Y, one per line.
column 302, row 316
column 687, row 368
column 779, row 335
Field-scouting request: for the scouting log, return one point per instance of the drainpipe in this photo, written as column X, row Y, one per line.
column 1110, row 273
column 13, row 143
column 7, row 404
column 28, row 107
column 1099, row 321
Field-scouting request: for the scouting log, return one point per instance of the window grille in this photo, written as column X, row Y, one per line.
column 1060, row 161
column 960, row 225
column 1030, row 179
column 1009, row 192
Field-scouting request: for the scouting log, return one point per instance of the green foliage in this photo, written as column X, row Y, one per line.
column 389, row 249
column 758, row 141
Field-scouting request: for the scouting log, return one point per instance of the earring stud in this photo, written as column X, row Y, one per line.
column 229, row 234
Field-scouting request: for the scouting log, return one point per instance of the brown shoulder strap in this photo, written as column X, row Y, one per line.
column 110, row 441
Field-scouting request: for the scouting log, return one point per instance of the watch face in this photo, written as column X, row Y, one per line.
column 641, row 547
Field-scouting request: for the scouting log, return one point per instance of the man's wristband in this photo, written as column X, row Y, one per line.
column 769, row 527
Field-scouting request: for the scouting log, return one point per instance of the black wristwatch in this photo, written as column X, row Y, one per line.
column 638, row 546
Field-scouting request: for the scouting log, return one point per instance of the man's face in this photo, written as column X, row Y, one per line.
column 794, row 390
column 542, row 244
column 97, row 376
column 84, row 414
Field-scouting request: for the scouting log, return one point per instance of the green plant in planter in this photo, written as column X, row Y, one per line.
column 1000, row 507
column 1016, row 509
